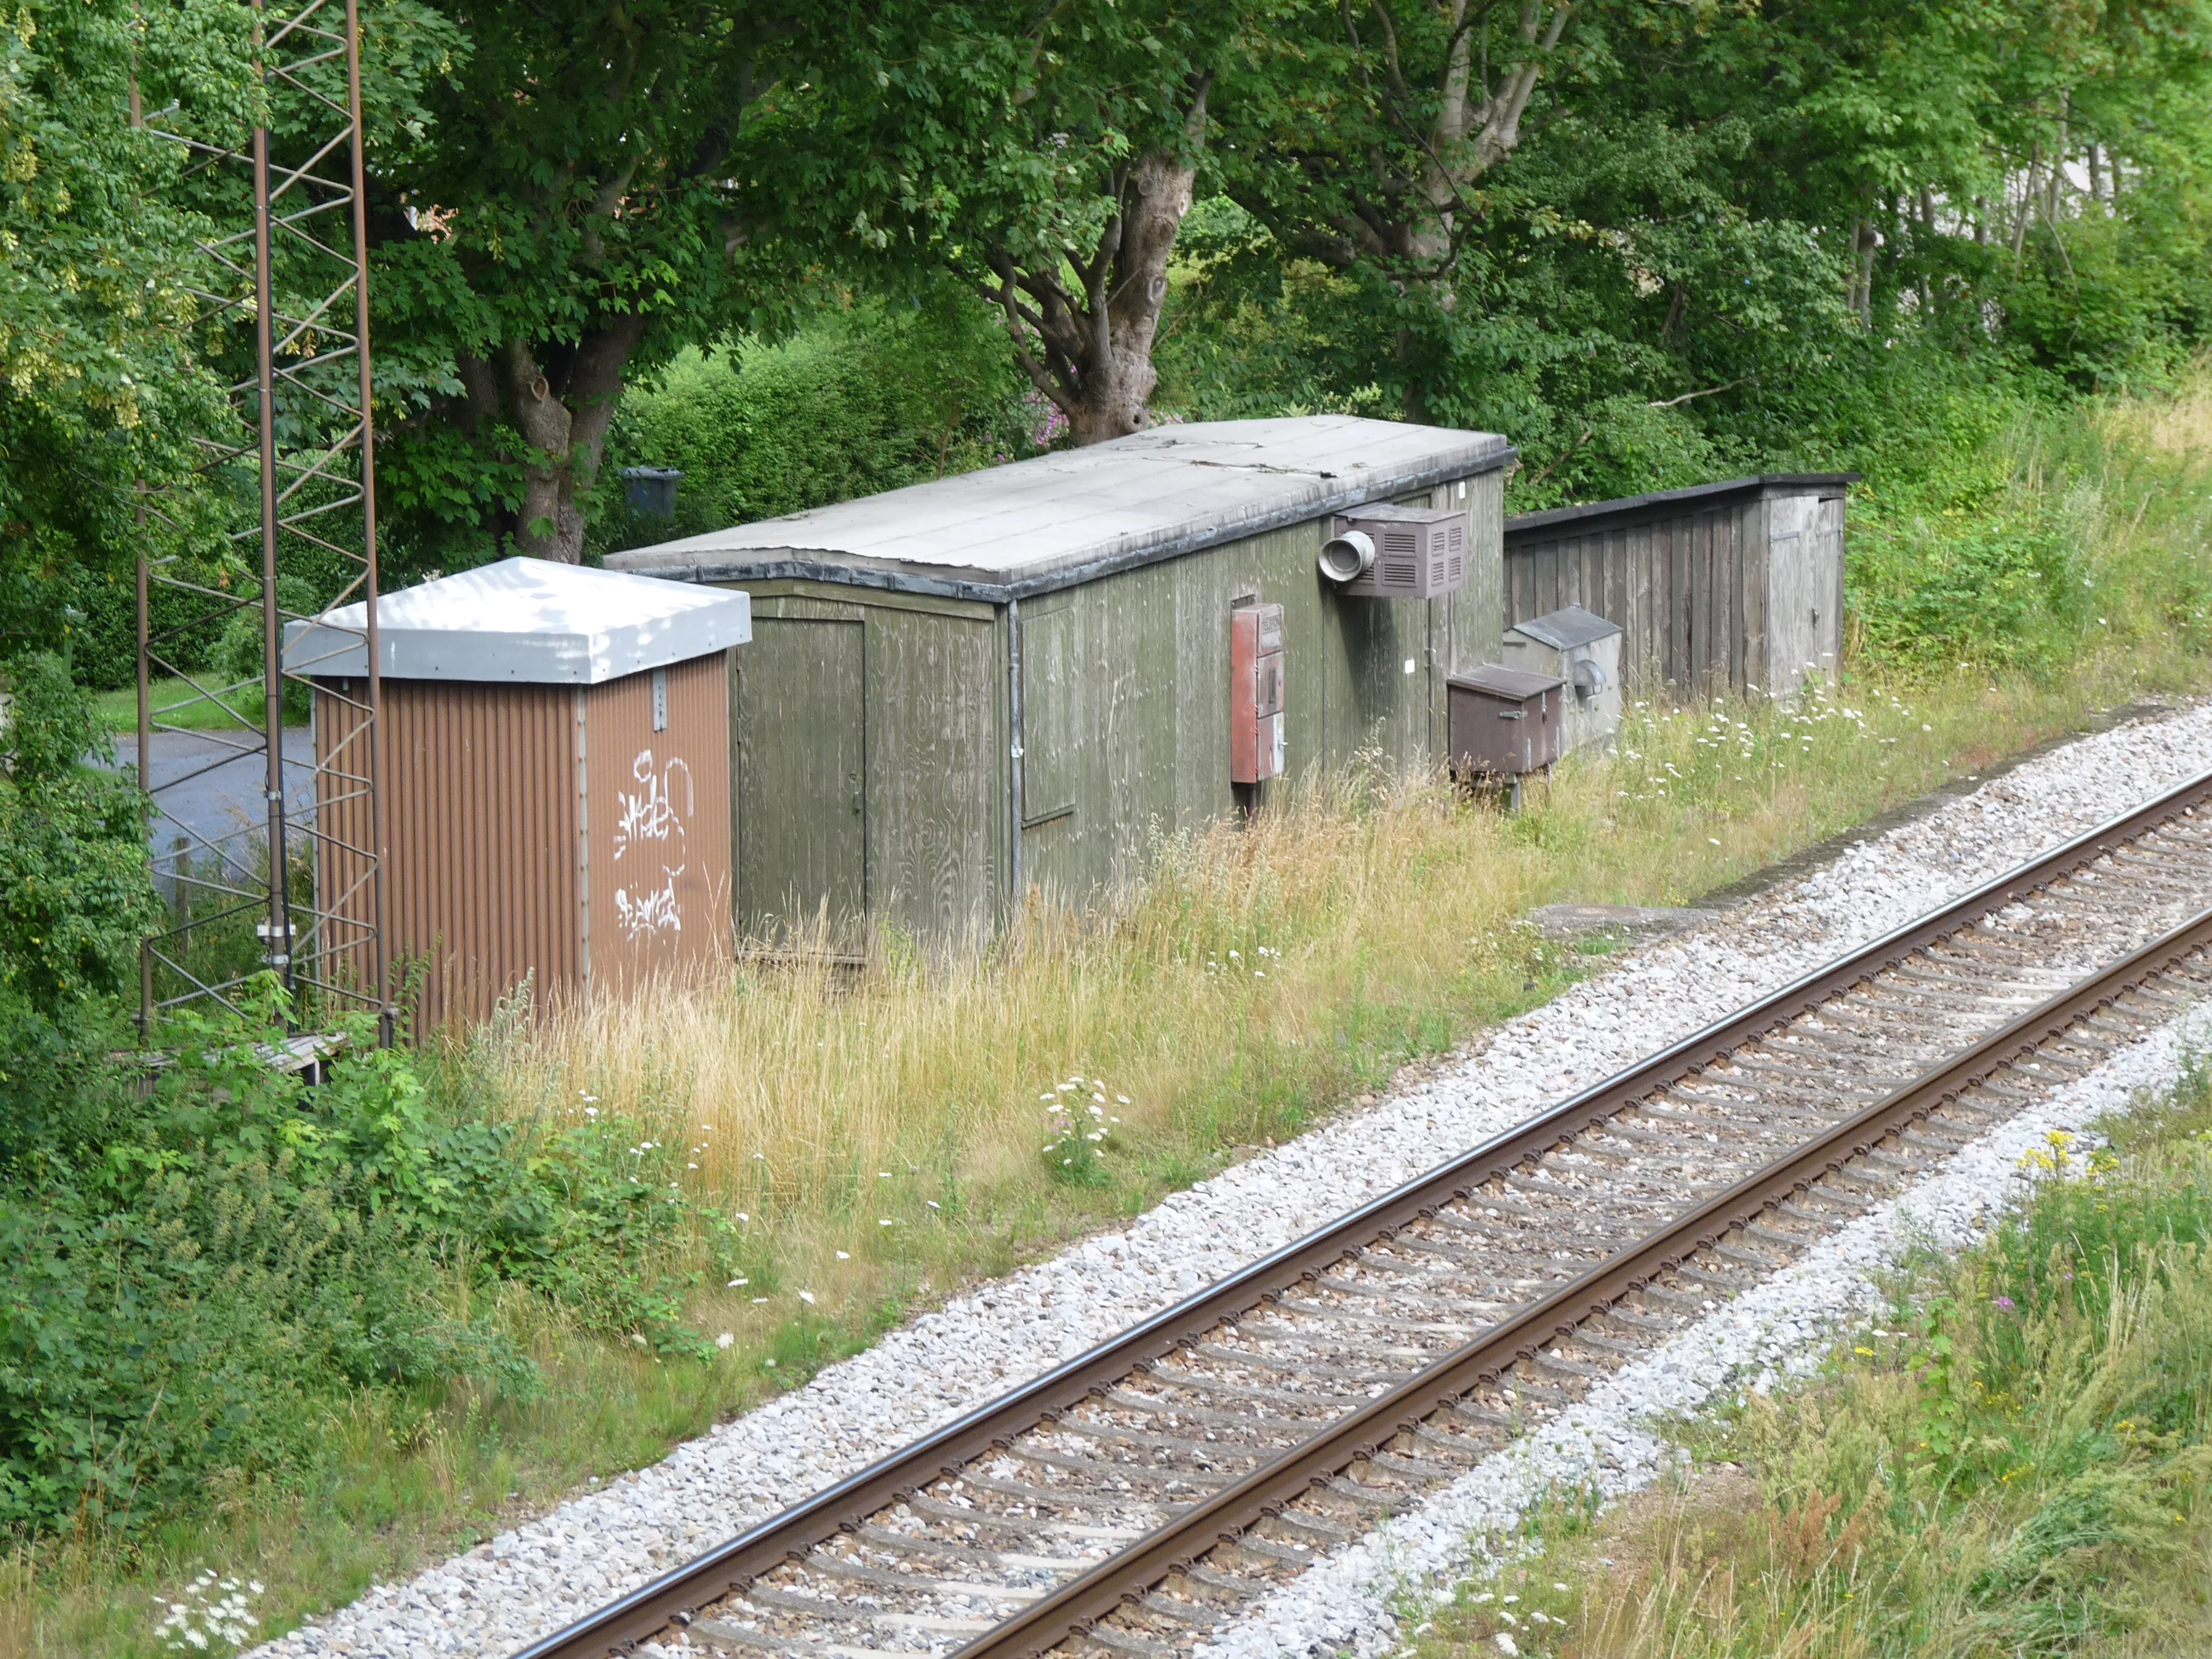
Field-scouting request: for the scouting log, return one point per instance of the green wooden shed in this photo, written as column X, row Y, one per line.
column 1013, row 679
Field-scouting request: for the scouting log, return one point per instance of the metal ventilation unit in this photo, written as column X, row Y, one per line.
column 1397, row 553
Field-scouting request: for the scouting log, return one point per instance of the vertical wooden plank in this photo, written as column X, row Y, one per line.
column 1613, row 575
column 804, row 782
column 1677, row 601
column 1726, row 589
column 1757, row 558
column 1639, row 655
column 931, row 810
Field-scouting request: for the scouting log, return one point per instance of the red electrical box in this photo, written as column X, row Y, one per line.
column 1256, row 693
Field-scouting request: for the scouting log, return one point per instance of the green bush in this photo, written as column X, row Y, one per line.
column 207, row 1260
column 208, row 1257
column 885, row 392
column 241, row 655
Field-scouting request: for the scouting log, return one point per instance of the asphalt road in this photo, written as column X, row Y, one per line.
column 204, row 791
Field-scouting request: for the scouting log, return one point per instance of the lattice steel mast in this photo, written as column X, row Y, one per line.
column 300, row 447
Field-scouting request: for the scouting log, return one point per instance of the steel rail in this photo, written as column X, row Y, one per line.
column 945, row 1451
column 1075, row 1607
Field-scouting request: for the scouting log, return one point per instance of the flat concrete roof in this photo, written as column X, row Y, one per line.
column 525, row 622
column 1031, row 526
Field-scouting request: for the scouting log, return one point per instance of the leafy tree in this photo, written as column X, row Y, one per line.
column 1047, row 157
column 99, row 382
column 600, row 186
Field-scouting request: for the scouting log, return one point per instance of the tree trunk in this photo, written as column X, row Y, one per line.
column 1089, row 347
column 1119, row 386
column 1862, row 300
column 562, row 407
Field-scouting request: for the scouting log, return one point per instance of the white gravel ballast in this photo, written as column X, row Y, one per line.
column 1783, row 1328
column 527, row 1583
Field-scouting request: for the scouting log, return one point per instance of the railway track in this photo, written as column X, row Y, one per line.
column 1129, row 1503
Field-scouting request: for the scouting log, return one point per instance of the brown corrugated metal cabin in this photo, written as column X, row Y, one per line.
column 1019, row 678
column 1723, row 587
column 555, row 776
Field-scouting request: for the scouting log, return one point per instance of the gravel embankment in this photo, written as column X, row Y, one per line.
column 530, row 1581
column 1784, row 1328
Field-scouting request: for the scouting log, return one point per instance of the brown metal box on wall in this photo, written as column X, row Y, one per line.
column 1505, row 722
column 1256, row 693
column 556, row 798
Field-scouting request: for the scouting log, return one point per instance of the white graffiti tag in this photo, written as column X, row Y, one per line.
column 651, row 913
column 650, row 813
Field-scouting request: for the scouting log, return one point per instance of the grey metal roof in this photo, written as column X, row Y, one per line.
column 1500, row 681
column 524, row 621
column 1034, row 526
column 1566, row 628
column 1775, row 483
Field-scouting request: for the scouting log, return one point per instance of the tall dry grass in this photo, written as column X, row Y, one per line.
column 877, row 1133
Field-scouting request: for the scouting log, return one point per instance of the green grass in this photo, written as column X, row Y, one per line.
column 1394, row 910
column 175, row 704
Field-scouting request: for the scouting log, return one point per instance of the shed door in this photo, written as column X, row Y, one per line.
column 1797, row 599
column 802, row 802
column 1828, row 635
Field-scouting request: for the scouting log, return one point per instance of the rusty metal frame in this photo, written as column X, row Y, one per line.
column 944, row 1452
column 303, row 439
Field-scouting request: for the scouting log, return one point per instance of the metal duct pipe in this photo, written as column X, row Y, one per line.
column 1347, row 555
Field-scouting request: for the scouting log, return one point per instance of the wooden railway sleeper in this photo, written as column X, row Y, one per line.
column 1222, row 1451
column 1407, row 1299
column 1153, row 1406
column 1679, row 1300
column 1198, row 1383
column 1211, row 1582
column 1266, row 1551
column 1403, row 1466
column 1123, row 1645
column 1556, row 1365
column 823, row 1564
column 982, row 1520
column 853, row 1613
column 1861, row 1181
column 1467, row 1444
column 1477, row 1416
column 899, row 1543
column 1085, row 1503
column 724, row 1636
column 1738, row 1256
column 1308, row 1308
column 1300, row 1366
column 1719, row 1284
column 1160, row 1481
column 1526, row 1390
column 1785, row 1240
column 1191, row 1615
column 1611, row 1347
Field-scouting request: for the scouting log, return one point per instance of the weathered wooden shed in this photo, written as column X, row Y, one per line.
column 555, row 791
column 964, row 689
column 1724, row 587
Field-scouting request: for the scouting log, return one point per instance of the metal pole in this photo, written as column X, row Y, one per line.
column 379, row 961
column 145, row 769
column 273, row 626
column 1014, row 753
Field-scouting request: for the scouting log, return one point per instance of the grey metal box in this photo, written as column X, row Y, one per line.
column 1420, row 552
column 652, row 490
column 1505, row 722
column 1584, row 650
